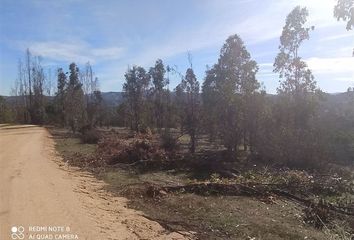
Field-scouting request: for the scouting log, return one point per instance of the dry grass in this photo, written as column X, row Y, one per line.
column 213, row 217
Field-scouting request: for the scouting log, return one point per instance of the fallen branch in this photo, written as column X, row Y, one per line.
column 215, row 188
column 259, row 190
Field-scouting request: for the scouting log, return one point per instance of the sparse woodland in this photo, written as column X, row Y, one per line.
column 222, row 125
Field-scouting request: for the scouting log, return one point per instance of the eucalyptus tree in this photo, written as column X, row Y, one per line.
column 344, row 10
column 159, row 93
column 188, row 97
column 297, row 84
column 298, row 94
column 135, row 88
column 60, row 96
column 74, row 101
column 226, row 89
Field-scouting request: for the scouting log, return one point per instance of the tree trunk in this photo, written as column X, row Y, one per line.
column 192, row 143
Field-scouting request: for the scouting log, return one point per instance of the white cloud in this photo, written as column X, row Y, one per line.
column 109, row 53
column 338, row 36
column 265, row 65
column 344, row 79
column 262, row 74
column 339, row 65
column 335, row 65
column 80, row 52
column 336, row 69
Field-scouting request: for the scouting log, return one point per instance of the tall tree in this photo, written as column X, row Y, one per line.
column 344, row 10
column 30, row 87
column 75, row 102
column 298, row 94
column 96, row 108
column 29, row 77
column 210, row 102
column 49, row 83
column 20, row 90
column 298, row 80
column 225, row 86
column 87, row 80
column 135, row 92
column 188, row 93
column 158, row 92
column 61, row 95
column 38, row 85
column 92, row 94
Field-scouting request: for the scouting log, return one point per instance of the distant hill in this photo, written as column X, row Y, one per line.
column 331, row 100
column 339, row 101
column 109, row 98
column 112, row 98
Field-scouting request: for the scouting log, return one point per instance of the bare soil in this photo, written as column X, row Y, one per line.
column 38, row 189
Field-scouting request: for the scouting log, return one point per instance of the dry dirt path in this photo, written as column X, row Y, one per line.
column 52, row 201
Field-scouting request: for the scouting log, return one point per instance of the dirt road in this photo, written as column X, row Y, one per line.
column 53, row 201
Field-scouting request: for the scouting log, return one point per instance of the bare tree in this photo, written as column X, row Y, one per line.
column 29, row 77
column 92, row 94
column 38, row 85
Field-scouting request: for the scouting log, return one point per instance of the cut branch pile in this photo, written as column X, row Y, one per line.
column 143, row 152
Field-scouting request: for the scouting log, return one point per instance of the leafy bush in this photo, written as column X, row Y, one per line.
column 91, row 136
column 342, row 146
column 168, row 142
column 144, row 129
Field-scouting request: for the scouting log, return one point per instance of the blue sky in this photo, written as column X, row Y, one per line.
column 113, row 35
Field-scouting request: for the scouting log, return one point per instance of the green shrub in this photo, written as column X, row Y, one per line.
column 91, row 136
column 168, row 142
